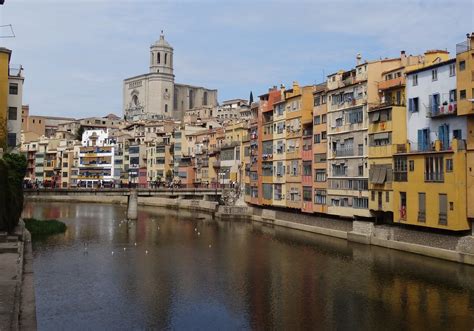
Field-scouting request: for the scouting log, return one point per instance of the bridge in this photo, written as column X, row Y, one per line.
column 183, row 193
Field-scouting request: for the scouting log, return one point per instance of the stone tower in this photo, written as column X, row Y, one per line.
column 161, row 57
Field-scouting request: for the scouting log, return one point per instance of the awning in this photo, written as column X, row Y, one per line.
column 375, row 175
column 375, row 116
column 381, row 136
column 382, row 175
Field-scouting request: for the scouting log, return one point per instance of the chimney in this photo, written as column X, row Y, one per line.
column 358, row 59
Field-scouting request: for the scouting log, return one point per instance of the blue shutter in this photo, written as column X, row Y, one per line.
column 420, row 140
column 441, row 135
column 427, row 139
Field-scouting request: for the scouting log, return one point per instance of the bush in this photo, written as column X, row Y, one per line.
column 44, row 227
column 12, row 172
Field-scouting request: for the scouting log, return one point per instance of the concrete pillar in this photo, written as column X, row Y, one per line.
column 132, row 208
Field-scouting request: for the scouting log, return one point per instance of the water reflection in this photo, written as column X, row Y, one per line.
column 252, row 276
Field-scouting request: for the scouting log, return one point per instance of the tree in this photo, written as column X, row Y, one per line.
column 169, row 175
column 79, row 133
column 12, row 172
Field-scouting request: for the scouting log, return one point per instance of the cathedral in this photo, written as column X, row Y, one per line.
column 155, row 95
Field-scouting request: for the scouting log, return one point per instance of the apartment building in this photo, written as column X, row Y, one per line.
column 319, row 148
column 430, row 172
column 465, row 108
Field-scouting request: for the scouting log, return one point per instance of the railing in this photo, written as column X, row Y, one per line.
column 442, row 110
column 434, row 176
column 400, row 176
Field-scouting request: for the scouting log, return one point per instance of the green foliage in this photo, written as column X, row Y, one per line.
column 12, row 172
column 79, row 133
column 39, row 228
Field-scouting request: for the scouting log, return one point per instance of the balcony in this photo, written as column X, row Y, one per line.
column 392, row 83
column 442, row 110
column 216, row 164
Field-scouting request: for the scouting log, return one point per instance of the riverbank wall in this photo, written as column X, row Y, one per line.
column 451, row 247
column 17, row 292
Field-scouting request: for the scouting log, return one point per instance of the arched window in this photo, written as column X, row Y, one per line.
column 166, row 108
column 158, row 58
column 135, row 100
column 166, row 57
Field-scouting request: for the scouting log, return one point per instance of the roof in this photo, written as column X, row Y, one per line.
column 431, row 66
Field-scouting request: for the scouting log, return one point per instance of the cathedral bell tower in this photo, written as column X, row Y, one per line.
column 161, row 56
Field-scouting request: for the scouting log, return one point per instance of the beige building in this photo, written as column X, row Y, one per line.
column 155, row 95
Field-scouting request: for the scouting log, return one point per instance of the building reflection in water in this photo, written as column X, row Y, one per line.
column 252, row 276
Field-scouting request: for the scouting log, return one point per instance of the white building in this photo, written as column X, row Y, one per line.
column 232, row 109
column 431, row 115
column 15, row 97
column 155, row 95
column 96, row 159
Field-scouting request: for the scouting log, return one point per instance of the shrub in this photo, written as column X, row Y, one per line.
column 44, row 227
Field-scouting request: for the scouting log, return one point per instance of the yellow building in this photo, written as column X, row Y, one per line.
column 465, row 107
column 5, row 55
column 430, row 170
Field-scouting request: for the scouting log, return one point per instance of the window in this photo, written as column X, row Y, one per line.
column 400, row 170
column 323, row 135
column 317, row 138
column 323, row 118
column 14, row 88
column 204, row 98
column 307, row 193
column 317, row 100
column 452, row 69
column 166, row 108
column 449, row 165
column 11, row 139
column 158, row 58
column 320, row 175
column 320, row 197
column 319, row 158
column 267, row 191
column 361, row 203
column 434, row 169
column 443, row 209
column 411, row 165
column 64, row 174
column 306, row 168
column 355, row 116
column 421, row 207
column 434, row 74
column 339, row 169
column 462, row 94
column 387, row 196
column 452, row 96
column 372, row 195
column 462, row 65
column 317, row 120
column 415, row 80
column 12, row 113
column 424, row 140
column 457, row 134
column 413, row 105
column 360, row 170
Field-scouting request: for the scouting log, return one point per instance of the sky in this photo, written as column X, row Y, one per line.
column 76, row 53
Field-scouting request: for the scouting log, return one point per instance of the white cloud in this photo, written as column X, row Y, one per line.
column 76, row 53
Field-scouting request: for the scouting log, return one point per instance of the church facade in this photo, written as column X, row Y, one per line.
column 155, row 95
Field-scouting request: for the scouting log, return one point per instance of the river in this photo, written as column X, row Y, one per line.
column 181, row 270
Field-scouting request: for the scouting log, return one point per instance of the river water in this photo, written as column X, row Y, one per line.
column 182, row 270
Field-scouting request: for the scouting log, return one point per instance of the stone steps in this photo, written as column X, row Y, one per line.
column 9, row 247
